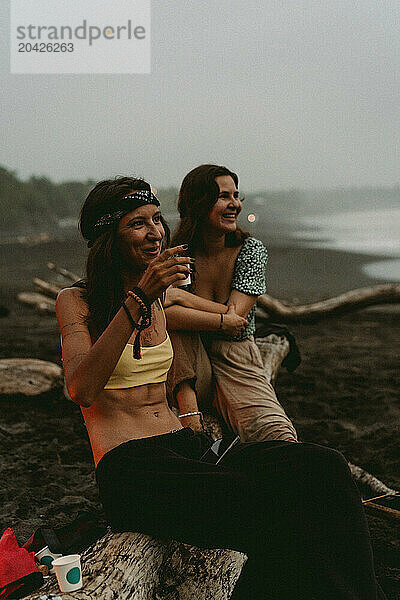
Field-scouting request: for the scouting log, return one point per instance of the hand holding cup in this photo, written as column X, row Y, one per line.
column 169, row 268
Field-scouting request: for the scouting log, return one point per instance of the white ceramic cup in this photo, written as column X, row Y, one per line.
column 68, row 571
column 46, row 557
column 186, row 281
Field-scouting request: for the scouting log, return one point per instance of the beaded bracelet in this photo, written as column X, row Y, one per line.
column 142, row 306
column 145, row 312
column 138, row 294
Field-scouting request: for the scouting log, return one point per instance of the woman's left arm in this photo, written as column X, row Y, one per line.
column 248, row 280
column 176, row 296
column 242, row 303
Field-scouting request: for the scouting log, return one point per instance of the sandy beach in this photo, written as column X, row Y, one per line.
column 344, row 394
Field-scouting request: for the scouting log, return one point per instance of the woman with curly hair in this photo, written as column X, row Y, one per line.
column 210, row 360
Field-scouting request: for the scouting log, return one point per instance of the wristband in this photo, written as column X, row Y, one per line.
column 128, row 314
column 190, row 414
column 221, row 321
column 193, row 414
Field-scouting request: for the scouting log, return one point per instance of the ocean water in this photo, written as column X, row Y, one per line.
column 371, row 232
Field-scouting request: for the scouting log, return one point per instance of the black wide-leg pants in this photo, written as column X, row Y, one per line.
column 291, row 507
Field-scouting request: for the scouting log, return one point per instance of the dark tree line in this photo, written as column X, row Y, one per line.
column 37, row 204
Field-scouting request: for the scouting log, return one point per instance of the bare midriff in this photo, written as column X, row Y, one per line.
column 118, row 416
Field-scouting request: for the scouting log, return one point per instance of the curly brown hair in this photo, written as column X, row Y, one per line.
column 197, row 195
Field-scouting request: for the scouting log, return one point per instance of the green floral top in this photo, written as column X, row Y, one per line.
column 248, row 278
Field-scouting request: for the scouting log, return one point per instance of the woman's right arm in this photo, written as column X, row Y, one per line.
column 87, row 366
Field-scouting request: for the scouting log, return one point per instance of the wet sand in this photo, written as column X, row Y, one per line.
column 344, row 394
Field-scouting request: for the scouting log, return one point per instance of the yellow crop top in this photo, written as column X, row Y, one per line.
column 151, row 368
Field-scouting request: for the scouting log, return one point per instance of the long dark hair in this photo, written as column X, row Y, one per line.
column 197, row 195
column 103, row 287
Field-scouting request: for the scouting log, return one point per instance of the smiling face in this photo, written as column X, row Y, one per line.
column 223, row 215
column 140, row 236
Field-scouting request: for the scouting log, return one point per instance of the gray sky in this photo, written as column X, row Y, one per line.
column 288, row 93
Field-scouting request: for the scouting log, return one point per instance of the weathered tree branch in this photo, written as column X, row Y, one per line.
column 64, row 272
column 383, row 511
column 49, row 289
column 274, row 309
column 369, row 484
column 41, row 303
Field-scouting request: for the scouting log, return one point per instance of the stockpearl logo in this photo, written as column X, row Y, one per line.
column 85, row 36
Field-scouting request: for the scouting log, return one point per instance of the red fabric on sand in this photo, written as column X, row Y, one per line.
column 15, row 562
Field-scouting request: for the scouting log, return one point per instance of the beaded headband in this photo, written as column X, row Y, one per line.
column 127, row 203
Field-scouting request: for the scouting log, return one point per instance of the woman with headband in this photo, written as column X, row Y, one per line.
column 292, row 508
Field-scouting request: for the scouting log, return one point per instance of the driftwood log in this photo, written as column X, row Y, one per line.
column 384, row 511
column 64, row 272
column 369, row 484
column 29, row 377
column 388, row 293
column 40, row 302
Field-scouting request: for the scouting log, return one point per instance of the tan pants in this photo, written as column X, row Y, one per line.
column 230, row 376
